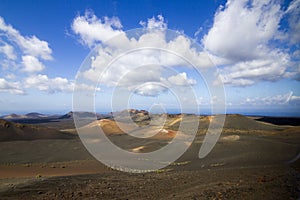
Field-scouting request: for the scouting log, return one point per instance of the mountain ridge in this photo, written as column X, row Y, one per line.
column 10, row 131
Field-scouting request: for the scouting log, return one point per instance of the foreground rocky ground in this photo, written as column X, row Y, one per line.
column 216, row 183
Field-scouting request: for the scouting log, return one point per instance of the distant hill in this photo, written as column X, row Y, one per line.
column 10, row 131
column 35, row 115
column 241, row 122
column 32, row 115
column 70, row 115
column 13, row 116
column 232, row 122
column 132, row 114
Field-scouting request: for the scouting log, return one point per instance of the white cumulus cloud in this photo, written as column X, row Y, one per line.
column 243, row 39
column 91, row 29
column 29, row 45
column 31, row 64
column 8, row 51
column 11, row 87
column 280, row 99
column 163, row 49
column 250, row 72
column 181, row 79
column 150, row 89
column 152, row 23
column 50, row 85
column 54, row 85
column 241, row 32
column 26, row 54
column 293, row 13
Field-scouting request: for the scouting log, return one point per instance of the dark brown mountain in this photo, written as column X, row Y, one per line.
column 10, row 131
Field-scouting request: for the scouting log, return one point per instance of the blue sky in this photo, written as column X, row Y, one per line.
column 254, row 45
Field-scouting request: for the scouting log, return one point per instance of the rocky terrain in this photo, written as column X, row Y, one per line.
column 253, row 159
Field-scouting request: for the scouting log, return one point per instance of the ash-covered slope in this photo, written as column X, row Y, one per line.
column 10, row 131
